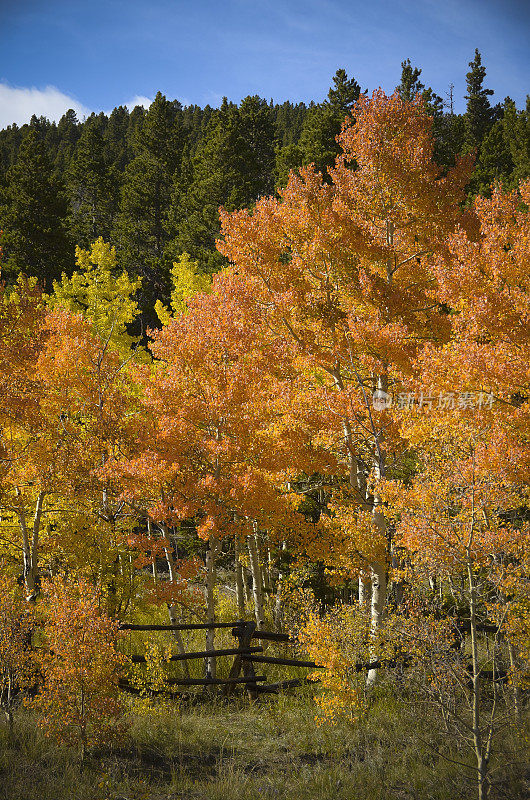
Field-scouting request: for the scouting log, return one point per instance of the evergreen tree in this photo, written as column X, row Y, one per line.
column 494, row 165
column 288, row 157
column 516, row 128
column 449, row 139
column 161, row 134
column 10, row 139
column 344, row 93
column 52, row 144
column 195, row 122
column 40, row 125
column 318, row 140
column 233, row 166
column 445, row 129
column 33, row 213
column 255, row 154
column 68, row 133
column 140, row 232
column 89, row 187
column 117, row 152
column 115, row 140
column 288, row 120
column 199, row 190
column 410, row 84
column 135, row 122
column 479, row 114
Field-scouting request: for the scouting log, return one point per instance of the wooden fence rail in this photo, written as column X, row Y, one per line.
column 192, row 626
column 230, row 651
column 245, row 656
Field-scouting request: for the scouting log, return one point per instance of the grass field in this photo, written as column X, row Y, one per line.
column 218, row 750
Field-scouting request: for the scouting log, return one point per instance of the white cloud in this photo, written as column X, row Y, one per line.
column 18, row 104
column 138, row 100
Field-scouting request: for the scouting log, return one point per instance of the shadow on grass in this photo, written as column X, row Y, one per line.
column 236, row 751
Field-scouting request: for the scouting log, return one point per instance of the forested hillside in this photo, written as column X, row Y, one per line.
column 151, row 181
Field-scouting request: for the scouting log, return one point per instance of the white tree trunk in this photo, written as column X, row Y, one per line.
column 481, row 756
column 210, row 604
column 365, row 591
column 378, row 579
column 30, row 544
column 240, row 597
column 377, row 570
column 172, row 611
column 278, row 604
column 257, row 584
column 266, row 562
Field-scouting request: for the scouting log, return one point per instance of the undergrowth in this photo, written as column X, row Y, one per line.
column 231, row 750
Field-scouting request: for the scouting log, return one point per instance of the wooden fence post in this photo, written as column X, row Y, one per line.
column 244, row 632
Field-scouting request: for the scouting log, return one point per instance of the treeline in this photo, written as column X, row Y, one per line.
column 151, row 181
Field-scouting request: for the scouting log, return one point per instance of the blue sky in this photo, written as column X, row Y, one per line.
column 96, row 54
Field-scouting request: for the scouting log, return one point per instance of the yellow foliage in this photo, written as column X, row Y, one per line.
column 101, row 294
column 153, row 676
column 338, row 642
column 187, row 281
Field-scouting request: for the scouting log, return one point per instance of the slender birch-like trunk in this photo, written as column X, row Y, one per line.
column 266, row 566
column 238, row 568
column 481, row 741
column 151, row 538
column 377, row 569
column 378, row 579
column 172, row 612
column 378, row 576
column 246, row 589
column 515, row 682
column 278, row 604
column 30, row 544
column 365, row 591
column 8, row 711
column 480, row 755
column 210, row 604
column 257, row 584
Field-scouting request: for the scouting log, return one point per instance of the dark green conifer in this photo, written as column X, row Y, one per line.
column 318, row 140
column 517, row 135
column 68, row 133
column 344, row 93
column 494, row 164
column 479, row 114
column 140, row 230
column 115, row 140
column 33, row 213
column 90, row 190
column 410, row 84
column 232, row 166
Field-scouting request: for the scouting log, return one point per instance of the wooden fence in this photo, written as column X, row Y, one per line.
column 246, row 655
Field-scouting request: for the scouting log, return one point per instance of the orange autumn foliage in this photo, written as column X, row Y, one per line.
column 17, row 662
column 343, row 275
column 79, row 699
column 208, row 398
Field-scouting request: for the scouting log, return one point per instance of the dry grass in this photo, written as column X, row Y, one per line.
column 235, row 751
